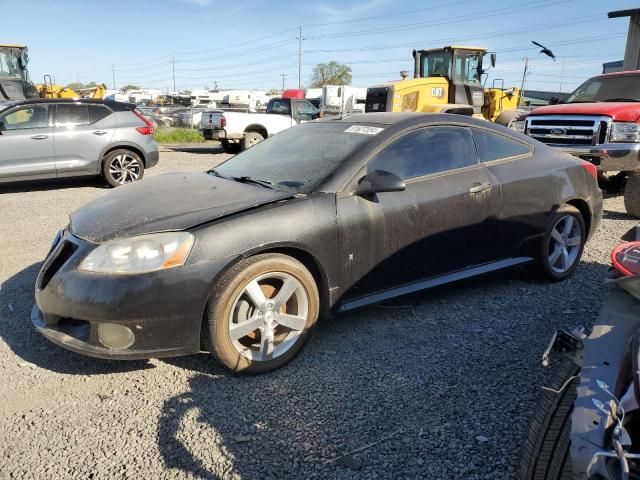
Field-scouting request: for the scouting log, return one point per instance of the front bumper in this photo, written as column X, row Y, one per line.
column 620, row 157
column 163, row 309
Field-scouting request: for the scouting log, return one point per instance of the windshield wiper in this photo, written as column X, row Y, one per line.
column 213, row 171
column 622, row 99
column 256, row 181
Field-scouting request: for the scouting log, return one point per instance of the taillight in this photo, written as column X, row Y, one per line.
column 626, row 258
column 148, row 128
column 590, row 168
column 223, row 122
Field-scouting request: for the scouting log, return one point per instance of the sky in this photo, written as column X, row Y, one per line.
column 249, row 44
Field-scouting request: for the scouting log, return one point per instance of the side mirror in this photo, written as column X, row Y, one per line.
column 379, row 181
column 492, row 59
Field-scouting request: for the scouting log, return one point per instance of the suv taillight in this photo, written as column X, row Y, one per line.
column 223, row 122
column 626, row 258
column 148, row 128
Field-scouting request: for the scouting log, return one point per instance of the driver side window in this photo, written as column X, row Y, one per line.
column 26, row 117
column 427, row 151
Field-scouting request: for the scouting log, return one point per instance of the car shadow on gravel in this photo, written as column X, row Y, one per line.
column 612, row 215
column 206, row 148
column 54, row 184
column 403, row 384
column 31, row 348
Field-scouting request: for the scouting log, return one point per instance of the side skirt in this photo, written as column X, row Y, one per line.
column 431, row 282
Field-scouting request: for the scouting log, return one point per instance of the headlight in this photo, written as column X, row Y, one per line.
column 518, row 126
column 625, row 132
column 145, row 253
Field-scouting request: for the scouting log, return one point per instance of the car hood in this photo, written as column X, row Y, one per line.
column 169, row 202
column 620, row 111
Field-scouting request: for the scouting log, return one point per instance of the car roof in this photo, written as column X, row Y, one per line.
column 623, row 72
column 112, row 104
column 401, row 120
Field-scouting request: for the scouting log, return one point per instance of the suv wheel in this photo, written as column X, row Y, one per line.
column 122, row 166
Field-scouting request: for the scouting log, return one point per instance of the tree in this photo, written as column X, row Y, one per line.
column 129, row 87
column 79, row 85
column 332, row 73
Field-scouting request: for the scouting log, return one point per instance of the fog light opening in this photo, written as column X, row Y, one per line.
column 114, row 336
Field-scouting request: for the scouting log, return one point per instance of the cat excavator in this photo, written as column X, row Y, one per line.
column 48, row 89
column 447, row 80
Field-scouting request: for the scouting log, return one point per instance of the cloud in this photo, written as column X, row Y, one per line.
column 199, row 3
column 340, row 10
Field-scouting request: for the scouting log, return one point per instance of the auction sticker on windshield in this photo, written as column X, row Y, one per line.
column 363, row 129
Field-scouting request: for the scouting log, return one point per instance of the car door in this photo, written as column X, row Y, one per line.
column 525, row 190
column 443, row 222
column 26, row 143
column 82, row 131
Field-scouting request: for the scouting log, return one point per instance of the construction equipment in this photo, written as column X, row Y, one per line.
column 49, row 89
column 447, row 80
column 14, row 76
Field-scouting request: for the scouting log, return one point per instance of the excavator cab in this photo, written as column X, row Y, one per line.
column 461, row 67
column 14, row 76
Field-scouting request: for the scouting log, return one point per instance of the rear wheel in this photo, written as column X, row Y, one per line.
column 632, row 194
column 230, row 147
column 250, row 139
column 261, row 313
column 563, row 243
column 545, row 453
column 122, row 166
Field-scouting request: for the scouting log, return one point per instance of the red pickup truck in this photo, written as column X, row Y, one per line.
column 599, row 122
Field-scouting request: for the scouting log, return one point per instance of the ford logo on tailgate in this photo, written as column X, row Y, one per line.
column 558, row 131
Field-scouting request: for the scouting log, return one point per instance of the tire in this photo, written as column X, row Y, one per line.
column 230, row 305
column 545, row 453
column 230, row 147
column 632, row 194
column 250, row 139
column 122, row 166
column 556, row 266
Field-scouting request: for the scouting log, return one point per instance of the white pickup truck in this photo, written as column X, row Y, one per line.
column 238, row 131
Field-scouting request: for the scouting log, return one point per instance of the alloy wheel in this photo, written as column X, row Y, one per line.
column 268, row 316
column 124, row 168
column 565, row 243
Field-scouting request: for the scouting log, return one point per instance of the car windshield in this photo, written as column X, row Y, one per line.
column 9, row 65
column 299, row 158
column 614, row 88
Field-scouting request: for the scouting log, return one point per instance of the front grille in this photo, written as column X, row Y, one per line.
column 568, row 130
column 56, row 261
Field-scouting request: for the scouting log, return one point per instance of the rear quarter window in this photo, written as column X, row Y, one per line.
column 493, row 146
column 97, row 113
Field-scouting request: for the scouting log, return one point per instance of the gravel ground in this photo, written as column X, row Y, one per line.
column 444, row 380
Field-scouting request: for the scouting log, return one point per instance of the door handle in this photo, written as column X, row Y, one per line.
column 99, row 132
column 480, row 187
column 39, row 137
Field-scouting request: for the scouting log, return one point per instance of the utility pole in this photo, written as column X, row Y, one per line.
column 173, row 71
column 561, row 76
column 300, row 57
column 77, row 77
column 284, row 79
column 524, row 77
column 113, row 75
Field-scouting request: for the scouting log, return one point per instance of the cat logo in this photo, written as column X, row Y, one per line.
column 437, row 92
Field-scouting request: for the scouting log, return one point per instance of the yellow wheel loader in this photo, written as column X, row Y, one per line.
column 49, row 90
column 447, row 80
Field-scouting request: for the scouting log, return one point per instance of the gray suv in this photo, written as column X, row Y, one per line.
column 56, row 138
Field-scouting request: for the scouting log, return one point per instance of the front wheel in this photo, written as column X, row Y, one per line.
column 250, row 139
column 122, row 166
column 261, row 313
column 545, row 450
column 563, row 244
column 632, row 194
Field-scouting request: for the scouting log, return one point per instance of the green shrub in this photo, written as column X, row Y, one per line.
column 178, row 135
